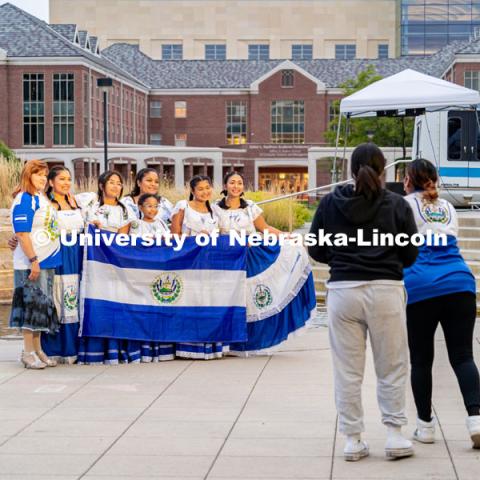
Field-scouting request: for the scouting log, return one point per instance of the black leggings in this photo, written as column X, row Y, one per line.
column 456, row 314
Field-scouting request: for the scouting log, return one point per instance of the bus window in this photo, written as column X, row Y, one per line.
column 454, row 138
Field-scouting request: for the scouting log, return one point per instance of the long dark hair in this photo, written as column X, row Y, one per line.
column 194, row 182
column 424, row 176
column 102, row 181
column 367, row 165
column 223, row 202
column 52, row 174
column 138, row 178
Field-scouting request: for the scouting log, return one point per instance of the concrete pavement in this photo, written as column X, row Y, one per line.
column 256, row 418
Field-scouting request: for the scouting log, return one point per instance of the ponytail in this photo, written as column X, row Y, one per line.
column 424, row 177
column 367, row 183
column 367, row 165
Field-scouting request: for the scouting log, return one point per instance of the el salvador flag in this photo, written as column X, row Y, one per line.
column 196, row 294
column 281, row 297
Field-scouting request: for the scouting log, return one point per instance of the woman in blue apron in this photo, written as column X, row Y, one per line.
column 192, row 217
column 280, row 288
column 441, row 290
column 63, row 346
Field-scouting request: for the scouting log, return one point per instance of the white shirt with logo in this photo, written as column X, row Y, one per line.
column 196, row 222
column 438, row 216
column 238, row 219
column 36, row 215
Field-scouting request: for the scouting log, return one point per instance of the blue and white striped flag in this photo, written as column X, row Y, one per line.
column 196, row 294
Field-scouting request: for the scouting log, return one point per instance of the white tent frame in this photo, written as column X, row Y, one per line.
column 427, row 106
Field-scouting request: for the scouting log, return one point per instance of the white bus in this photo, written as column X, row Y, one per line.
column 451, row 140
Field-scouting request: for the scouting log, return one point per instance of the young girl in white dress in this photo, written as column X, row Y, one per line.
column 147, row 181
column 193, row 217
column 150, row 222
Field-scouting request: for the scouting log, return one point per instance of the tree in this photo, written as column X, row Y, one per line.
column 5, row 152
column 384, row 131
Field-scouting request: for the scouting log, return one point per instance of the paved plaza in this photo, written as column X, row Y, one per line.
column 266, row 417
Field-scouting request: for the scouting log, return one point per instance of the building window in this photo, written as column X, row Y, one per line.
column 236, row 122
column 471, row 80
column 287, row 78
column 180, row 139
column 429, row 25
column 86, row 110
column 259, row 52
column 302, row 52
column 215, row 52
column 180, row 109
column 288, row 121
column 172, row 52
column 333, row 112
column 33, row 109
column 345, row 52
column 383, row 51
column 63, row 109
column 155, row 109
column 155, row 139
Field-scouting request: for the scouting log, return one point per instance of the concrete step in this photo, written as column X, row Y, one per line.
column 469, row 232
column 469, row 243
column 469, row 219
column 471, row 255
column 320, row 279
column 321, row 300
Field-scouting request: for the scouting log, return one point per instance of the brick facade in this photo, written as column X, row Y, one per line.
column 88, row 127
column 457, row 73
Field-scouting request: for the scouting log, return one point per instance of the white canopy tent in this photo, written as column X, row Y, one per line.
column 408, row 93
column 408, row 90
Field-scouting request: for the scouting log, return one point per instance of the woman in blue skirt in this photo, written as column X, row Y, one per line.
column 280, row 288
column 192, row 217
column 63, row 346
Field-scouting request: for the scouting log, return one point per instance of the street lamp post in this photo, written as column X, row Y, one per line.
column 105, row 84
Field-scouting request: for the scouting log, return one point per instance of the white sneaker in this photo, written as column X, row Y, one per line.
column 473, row 425
column 355, row 448
column 425, row 432
column 397, row 445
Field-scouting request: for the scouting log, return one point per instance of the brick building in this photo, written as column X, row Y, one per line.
column 262, row 115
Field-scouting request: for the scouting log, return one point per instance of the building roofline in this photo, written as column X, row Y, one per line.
column 287, row 65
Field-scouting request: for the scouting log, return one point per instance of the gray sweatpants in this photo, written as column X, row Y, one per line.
column 352, row 312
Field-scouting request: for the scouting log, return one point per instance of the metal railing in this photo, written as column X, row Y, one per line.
column 317, row 189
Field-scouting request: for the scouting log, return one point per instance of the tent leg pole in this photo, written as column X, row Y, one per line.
column 347, row 124
column 334, row 170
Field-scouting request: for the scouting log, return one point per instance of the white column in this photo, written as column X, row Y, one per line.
column 141, row 163
column 101, row 166
column 68, row 162
column 179, row 177
column 218, row 170
column 390, row 172
column 312, row 174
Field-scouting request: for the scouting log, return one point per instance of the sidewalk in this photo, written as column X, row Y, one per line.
column 233, row 418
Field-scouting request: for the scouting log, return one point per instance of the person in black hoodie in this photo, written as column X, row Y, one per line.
column 365, row 293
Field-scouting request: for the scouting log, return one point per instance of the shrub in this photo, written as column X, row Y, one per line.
column 277, row 213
